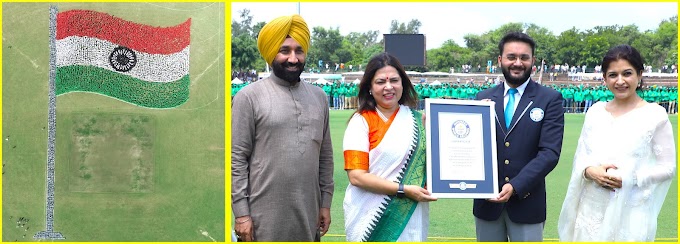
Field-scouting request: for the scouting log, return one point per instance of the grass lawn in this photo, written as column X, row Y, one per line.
column 452, row 219
column 123, row 172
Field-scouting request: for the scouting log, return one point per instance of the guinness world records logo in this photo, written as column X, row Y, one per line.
column 460, row 129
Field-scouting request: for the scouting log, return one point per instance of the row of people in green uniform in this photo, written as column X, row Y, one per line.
column 577, row 98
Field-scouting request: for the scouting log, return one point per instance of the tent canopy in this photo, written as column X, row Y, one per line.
column 435, row 74
column 321, row 81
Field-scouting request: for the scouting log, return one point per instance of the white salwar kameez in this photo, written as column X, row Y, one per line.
column 641, row 144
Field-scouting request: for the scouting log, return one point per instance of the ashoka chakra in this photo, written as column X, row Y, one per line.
column 122, row 59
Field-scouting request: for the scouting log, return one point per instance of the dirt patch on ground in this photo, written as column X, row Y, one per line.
column 111, row 153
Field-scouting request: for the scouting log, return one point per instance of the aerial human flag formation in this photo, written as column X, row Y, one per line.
column 141, row 64
column 97, row 52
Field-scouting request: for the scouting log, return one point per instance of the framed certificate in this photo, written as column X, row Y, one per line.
column 461, row 148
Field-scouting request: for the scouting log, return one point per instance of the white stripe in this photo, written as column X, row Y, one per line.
column 77, row 50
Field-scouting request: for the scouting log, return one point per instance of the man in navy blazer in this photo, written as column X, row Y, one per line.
column 528, row 147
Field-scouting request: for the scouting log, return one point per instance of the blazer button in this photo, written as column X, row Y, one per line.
column 507, row 161
column 507, row 144
column 507, row 179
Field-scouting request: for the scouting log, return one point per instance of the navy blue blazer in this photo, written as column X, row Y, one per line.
column 526, row 152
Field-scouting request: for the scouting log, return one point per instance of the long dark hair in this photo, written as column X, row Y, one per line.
column 379, row 61
column 625, row 52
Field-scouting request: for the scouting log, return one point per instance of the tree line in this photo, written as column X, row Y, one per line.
column 573, row 47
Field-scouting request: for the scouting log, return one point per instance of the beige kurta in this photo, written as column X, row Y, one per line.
column 282, row 158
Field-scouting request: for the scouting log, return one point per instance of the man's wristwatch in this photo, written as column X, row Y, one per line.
column 400, row 191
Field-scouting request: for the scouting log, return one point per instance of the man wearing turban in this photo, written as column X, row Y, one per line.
column 282, row 157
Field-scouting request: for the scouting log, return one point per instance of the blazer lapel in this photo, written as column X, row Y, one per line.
column 524, row 103
column 497, row 97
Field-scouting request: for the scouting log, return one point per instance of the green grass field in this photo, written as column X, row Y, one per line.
column 451, row 220
column 123, row 172
column 111, row 153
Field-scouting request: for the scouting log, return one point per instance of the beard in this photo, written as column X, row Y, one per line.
column 516, row 81
column 281, row 71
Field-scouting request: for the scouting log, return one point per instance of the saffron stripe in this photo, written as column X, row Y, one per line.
column 78, row 78
column 75, row 50
column 143, row 38
column 356, row 160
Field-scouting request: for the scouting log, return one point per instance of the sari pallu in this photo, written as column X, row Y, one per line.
column 398, row 157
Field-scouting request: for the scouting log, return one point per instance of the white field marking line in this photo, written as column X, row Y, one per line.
column 219, row 26
column 198, row 77
column 205, row 233
column 35, row 65
column 156, row 5
column 217, row 96
column 207, row 39
column 161, row 6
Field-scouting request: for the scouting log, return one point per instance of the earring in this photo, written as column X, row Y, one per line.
column 370, row 93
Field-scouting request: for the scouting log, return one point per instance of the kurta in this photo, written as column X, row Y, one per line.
column 282, row 159
column 641, row 145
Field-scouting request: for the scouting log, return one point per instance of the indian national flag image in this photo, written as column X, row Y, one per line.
column 141, row 64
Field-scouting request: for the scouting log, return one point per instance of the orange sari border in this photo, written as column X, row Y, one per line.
column 356, row 160
column 377, row 127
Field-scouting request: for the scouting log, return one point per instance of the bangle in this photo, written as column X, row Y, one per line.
column 245, row 221
column 585, row 173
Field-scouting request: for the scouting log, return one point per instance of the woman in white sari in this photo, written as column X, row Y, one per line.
column 624, row 162
column 384, row 150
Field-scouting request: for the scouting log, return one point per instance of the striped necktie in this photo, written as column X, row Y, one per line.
column 510, row 107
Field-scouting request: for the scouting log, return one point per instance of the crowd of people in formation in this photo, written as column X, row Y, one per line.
column 579, row 98
column 247, row 75
column 576, row 98
column 282, row 180
column 21, row 223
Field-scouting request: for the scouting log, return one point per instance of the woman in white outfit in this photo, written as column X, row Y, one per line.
column 624, row 162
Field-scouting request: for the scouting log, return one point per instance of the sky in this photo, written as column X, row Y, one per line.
column 452, row 21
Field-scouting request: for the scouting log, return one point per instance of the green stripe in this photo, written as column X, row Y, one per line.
column 79, row 78
column 399, row 210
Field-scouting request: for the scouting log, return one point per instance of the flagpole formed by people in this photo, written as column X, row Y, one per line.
column 49, row 232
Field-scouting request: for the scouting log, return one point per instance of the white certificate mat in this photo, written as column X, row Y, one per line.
column 461, row 148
